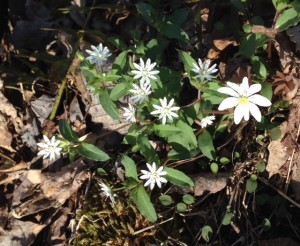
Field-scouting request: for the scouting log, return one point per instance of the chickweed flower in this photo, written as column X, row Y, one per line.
column 129, row 113
column 203, row 71
column 140, row 93
column 50, row 148
column 145, row 71
column 207, row 121
column 165, row 110
column 107, row 193
column 98, row 55
column 153, row 176
column 244, row 99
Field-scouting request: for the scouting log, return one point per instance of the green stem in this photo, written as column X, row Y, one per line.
column 58, row 98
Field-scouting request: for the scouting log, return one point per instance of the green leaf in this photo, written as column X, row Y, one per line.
column 259, row 67
column 206, row 233
column 261, row 166
column 67, row 132
column 205, row 142
column 188, row 199
column 120, row 90
column 227, row 218
column 224, row 160
column 119, row 66
column 251, row 42
column 214, row 167
column 92, row 152
column 148, row 12
column 275, row 133
column 251, row 185
column 286, row 19
column 172, row 31
column 117, row 42
column 108, row 105
column 187, row 60
column 146, row 149
column 266, row 224
column 178, row 16
column 166, row 200
column 155, row 47
column 178, row 178
column 143, row 202
column 166, row 130
column 266, row 90
column 130, row 168
column 280, row 4
column 181, row 207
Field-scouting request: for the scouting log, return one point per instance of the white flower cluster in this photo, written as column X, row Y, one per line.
column 98, row 55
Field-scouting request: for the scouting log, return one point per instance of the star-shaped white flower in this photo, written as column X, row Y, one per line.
column 49, row 148
column 203, row 71
column 165, row 111
column 145, row 71
column 244, row 99
column 154, row 176
column 98, row 55
column 107, row 193
column 207, row 121
column 129, row 113
column 140, row 93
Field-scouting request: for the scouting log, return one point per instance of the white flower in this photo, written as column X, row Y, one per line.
column 141, row 92
column 244, row 99
column 107, row 193
column 144, row 71
column 50, row 148
column 154, row 176
column 204, row 72
column 207, row 121
column 98, row 55
column 129, row 113
column 165, row 110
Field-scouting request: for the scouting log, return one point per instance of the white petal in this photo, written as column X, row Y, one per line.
column 253, row 89
column 164, row 119
column 47, row 140
column 244, row 86
column 227, row 103
column 260, row 100
column 228, row 91
column 163, row 180
column 148, row 182
column 238, row 114
column 146, row 176
column 152, row 185
column 142, row 63
column 255, row 111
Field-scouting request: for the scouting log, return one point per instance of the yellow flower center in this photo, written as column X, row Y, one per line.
column 145, row 73
column 100, row 55
column 243, row 100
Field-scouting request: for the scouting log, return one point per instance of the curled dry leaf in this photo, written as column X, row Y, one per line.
column 286, row 86
column 218, row 46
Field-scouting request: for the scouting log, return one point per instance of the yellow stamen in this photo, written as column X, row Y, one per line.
column 243, row 100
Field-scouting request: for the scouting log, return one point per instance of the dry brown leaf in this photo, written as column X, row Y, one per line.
column 277, row 153
column 210, row 182
column 219, row 46
column 294, row 33
column 61, row 185
column 20, row 233
column 286, row 86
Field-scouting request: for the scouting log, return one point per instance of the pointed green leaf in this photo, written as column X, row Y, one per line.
column 119, row 66
column 187, row 60
column 67, row 132
column 144, row 204
column 130, row 168
column 206, row 145
column 108, row 105
column 120, row 90
column 178, row 178
column 146, row 148
column 92, row 152
column 166, row 130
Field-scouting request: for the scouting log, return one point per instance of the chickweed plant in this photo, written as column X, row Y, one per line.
column 151, row 95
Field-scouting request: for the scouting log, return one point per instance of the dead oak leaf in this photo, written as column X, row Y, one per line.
column 218, row 46
column 286, row 86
